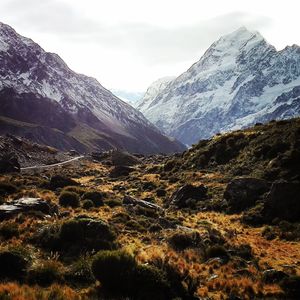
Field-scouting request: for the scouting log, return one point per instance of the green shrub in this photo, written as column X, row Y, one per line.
column 115, row 270
column 87, row 204
column 69, row 199
column 95, row 196
column 46, row 273
column 9, row 230
column 14, row 262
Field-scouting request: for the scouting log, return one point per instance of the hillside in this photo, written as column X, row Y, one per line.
column 219, row 221
column 43, row 100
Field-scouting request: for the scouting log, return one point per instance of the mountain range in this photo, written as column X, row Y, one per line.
column 42, row 99
column 240, row 80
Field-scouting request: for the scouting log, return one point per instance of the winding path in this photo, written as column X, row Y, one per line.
column 53, row 165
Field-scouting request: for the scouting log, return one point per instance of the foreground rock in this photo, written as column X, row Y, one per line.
column 188, row 196
column 283, row 201
column 24, row 205
column 242, row 193
column 9, row 163
column 128, row 200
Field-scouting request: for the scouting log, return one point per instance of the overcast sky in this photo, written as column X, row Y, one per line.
column 127, row 44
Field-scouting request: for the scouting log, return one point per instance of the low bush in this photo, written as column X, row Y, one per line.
column 87, row 204
column 115, row 270
column 119, row 273
column 75, row 189
column 95, row 196
column 76, row 236
column 69, row 199
column 113, row 202
column 59, row 181
column 151, row 283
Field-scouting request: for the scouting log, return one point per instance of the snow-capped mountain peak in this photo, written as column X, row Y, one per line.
column 236, row 83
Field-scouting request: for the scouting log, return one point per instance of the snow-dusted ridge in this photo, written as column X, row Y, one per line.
column 26, row 68
column 241, row 79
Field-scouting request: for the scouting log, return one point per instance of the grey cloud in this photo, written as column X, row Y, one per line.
column 153, row 45
column 49, row 16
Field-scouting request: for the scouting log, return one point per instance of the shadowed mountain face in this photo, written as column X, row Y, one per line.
column 239, row 81
column 42, row 99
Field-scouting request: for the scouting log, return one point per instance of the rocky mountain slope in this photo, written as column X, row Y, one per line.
column 44, row 100
column 239, row 81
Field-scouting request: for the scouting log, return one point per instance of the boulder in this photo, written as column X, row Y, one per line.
column 242, row 193
column 119, row 171
column 283, row 201
column 188, row 195
column 9, row 163
column 26, row 204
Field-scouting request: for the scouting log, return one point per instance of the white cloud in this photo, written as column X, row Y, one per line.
column 129, row 44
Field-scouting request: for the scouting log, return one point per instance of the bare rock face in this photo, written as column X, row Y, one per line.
column 283, row 201
column 242, row 193
column 187, row 195
column 26, row 204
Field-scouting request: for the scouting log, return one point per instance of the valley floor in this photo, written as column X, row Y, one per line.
column 211, row 255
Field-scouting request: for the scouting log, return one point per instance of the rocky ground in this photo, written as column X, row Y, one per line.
column 220, row 221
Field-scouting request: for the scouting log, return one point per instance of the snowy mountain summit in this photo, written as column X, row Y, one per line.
column 240, row 80
column 44, row 100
